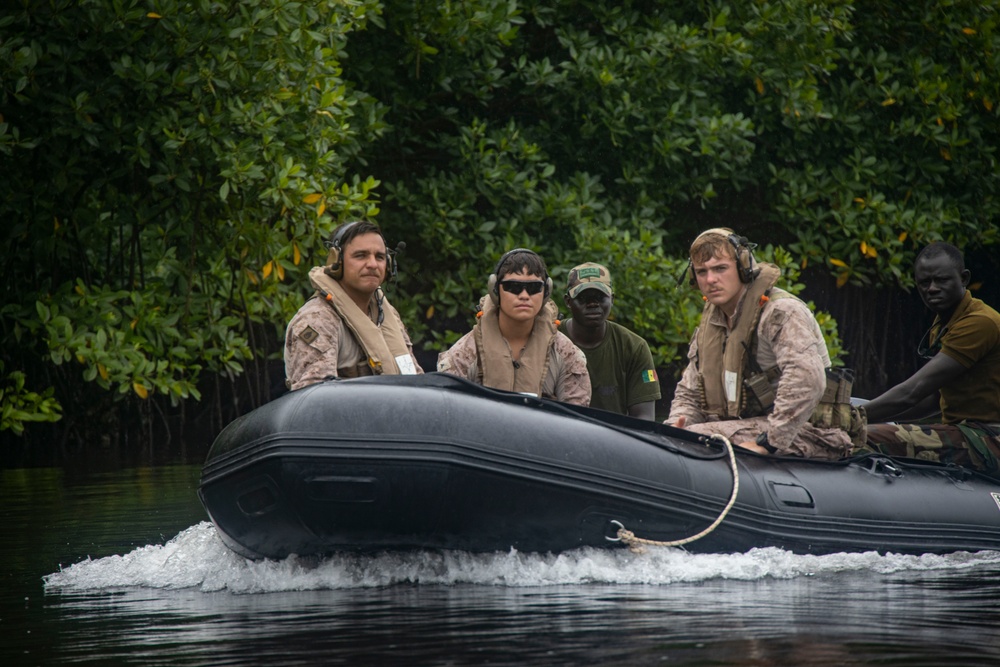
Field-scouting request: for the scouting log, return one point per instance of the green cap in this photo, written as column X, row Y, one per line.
column 589, row 276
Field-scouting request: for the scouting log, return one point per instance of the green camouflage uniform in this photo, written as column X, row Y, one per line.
column 969, row 434
column 974, row 446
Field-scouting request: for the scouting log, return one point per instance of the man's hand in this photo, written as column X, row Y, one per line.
column 752, row 446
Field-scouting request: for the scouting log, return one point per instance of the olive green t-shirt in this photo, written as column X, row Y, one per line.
column 621, row 370
column 972, row 338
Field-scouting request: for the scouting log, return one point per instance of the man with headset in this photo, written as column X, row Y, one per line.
column 958, row 387
column 516, row 345
column 757, row 368
column 348, row 328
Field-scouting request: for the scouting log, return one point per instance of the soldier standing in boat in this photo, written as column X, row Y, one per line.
column 620, row 364
column 348, row 328
column 959, row 386
column 758, row 369
column 516, row 344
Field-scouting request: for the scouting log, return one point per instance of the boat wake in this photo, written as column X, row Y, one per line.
column 197, row 558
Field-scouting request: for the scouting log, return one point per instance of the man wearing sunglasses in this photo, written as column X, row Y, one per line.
column 959, row 386
column 622, row 376
column 515, row 345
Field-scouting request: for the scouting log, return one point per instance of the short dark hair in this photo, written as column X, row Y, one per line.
column 519, row 260
column 349, row 230
column 938, row 248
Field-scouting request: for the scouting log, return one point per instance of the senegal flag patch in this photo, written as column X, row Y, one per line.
column 649, row 376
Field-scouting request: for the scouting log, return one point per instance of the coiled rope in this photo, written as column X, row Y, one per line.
column 636, row 544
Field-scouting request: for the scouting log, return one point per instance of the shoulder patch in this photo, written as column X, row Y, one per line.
column 308, row 335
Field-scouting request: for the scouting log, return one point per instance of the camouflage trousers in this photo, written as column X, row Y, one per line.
column 970, row 445
column 811, row 442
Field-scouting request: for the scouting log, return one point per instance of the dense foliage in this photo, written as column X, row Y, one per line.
column 172, row 167
column 165, row 164
column 610, row 130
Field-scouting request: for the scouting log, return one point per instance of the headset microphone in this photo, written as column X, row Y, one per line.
column 393, row 265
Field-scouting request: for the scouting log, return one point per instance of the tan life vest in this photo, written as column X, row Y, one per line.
column 497, row 368
column 734, row 358
column 384, row 344
column 723, row 354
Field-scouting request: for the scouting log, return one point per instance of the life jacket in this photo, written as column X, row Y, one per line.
column 497, row 368
column 734, row 386
column 724, row 355
column 384, row 344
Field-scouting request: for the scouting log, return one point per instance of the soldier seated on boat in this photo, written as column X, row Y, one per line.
column 758, row 369
column 959, row 387
column 348, row 328
column 516, row 344
column 622, row 375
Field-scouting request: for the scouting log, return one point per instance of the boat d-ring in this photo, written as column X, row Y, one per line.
column 621, row 527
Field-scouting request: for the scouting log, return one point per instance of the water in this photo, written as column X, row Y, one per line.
column 122, row 568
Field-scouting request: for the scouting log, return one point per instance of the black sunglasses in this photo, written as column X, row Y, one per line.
column 518, row 286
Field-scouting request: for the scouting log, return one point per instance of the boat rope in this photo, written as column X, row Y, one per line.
column 637, row 544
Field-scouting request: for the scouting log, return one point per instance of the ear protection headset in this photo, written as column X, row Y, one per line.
column 334, row 261
column 742, row 249
column 493, row 285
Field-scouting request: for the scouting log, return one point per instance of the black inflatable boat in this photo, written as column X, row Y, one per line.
column 434, row 462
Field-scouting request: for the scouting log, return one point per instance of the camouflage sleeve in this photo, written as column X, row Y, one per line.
column 687, row 394
column 573, row 381
column 312, row 340
column 461, row 359
column 790, row 330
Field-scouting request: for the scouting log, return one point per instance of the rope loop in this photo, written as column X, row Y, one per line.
column 637, row 544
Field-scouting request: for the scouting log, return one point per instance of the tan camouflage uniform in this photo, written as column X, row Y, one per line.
column 317, row 343
column 567, row 379
column 788, row 336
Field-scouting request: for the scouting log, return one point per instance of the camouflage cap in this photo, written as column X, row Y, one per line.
column 589, row 276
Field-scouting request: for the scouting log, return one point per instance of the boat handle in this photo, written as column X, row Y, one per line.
column 621, row 526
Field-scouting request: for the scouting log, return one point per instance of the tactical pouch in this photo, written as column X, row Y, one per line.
column 839, row 383
column 835, row 409
column 759, row 385
column 859, row 427
column 359, row 370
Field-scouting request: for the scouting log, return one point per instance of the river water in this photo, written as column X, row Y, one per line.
column 122, row 568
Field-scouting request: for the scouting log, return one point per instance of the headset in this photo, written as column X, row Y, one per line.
column 493, row 285
column 742, row 248
column 335, row 266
